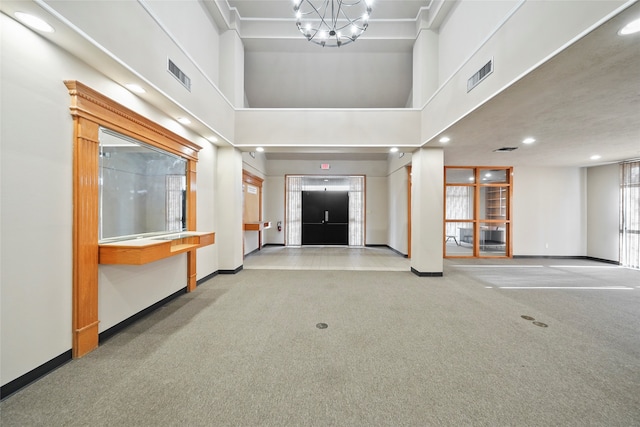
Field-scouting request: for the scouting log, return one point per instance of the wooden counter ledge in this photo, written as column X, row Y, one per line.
column 149, row 249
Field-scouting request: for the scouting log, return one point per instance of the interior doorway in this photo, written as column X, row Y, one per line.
column 336, row 208
column 325, row 218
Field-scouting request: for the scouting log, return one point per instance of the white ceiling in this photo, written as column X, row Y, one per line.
column 584, row 101
column 283, row 9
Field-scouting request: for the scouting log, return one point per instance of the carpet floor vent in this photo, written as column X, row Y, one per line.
column 179, row 74
column 504, row 149
column 480, row 75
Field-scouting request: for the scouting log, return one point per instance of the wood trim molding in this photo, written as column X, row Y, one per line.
column 249, row 178
column 477, row 221
column 92, row 105
column 91, row 110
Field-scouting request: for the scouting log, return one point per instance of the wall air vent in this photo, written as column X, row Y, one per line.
column 504, row 149
column 480, row 75
column 179, row 74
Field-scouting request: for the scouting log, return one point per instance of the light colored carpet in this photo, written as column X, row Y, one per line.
column 399, row 350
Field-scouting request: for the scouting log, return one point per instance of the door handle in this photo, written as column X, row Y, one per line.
column 326, row 216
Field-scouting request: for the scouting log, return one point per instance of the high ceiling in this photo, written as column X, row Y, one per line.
column 584, row 101
column 581, row 103
column 375, row 72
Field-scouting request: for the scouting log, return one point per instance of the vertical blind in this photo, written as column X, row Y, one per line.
column 295, row 185
column 293, row 202
column 630, row 214
column 459, row 205
column 174, row 196
column 356, row 211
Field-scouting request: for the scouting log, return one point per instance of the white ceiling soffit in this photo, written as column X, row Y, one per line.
column 398, row 20
column 583, row 102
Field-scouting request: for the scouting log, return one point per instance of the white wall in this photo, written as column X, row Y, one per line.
column 603, row 212
column 398, row 217
column 188, row 22
column 255, row 166
column 427, row 211
column 326, row 128
column 549, row 211
column 517, row 48
column 274, row 208
column 426, row 58
column 467, row 26
column 144, row 34
column 206, row 219
column 377, row 210
column 36, row 197
column 229, row 235
column 327, row 78
column 376, row 192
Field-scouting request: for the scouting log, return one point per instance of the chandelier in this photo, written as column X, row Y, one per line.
column 332, row 23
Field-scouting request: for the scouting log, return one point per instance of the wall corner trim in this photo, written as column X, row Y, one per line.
column 237, row 270
column 427, row 273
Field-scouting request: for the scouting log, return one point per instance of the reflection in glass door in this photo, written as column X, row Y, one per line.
column 477, row 212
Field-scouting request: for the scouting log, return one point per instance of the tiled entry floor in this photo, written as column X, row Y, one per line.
column 326, row 258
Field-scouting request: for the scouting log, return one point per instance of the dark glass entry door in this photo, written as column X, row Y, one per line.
column 325, row 217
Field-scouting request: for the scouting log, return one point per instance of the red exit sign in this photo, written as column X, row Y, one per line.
column 325, row 166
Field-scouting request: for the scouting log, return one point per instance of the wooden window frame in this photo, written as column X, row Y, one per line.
column 90, row 111
column 476, row 221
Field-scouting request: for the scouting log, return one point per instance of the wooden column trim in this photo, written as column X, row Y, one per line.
column 191, row 224
column 85, row 236
column 91, row 110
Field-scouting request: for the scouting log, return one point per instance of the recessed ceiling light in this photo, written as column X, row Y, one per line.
column 631, row 28
column 394, row 149
column 445, row 139
column 528, row 140
column 259, row 149
column 471, row 178
column 34, row 22
column 596, row 157
column 135, row 88
column 183, row 120
column 212, row 139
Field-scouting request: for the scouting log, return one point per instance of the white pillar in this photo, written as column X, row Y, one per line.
column 427, row 211
column 425, row 67
column 229, row 235
column 232, row 68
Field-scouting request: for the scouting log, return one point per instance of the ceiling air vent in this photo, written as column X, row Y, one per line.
column 480, row 75
column 178, row 74
column 504, row 149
